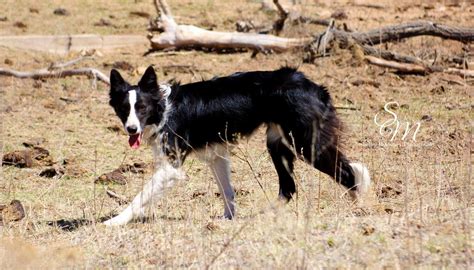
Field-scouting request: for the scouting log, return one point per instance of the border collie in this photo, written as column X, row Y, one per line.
column 207, row 117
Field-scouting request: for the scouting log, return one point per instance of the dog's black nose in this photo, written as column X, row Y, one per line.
column 132, row 129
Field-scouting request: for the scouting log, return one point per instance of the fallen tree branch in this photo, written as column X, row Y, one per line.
column 402, row 67
column 389, row 55
column 346, row 40
column 45, row 73
column 417, row 69
column 407, row 30
column 188, row 36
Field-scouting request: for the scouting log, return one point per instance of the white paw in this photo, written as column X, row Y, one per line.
column 111, row 222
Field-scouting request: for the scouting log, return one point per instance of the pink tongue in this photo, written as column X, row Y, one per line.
column 134, row 141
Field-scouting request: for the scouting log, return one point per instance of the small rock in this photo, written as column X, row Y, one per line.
column 20, row 25
column 61, row 12
column 339, row 15
column 115, row 177
column 426, row 118
column 12, row 212
column 34, row 142
column 137, row 167
column 8, row 61
column 27, row 158
column 104, row 22
column 3, row 19
column 140, row 14
column 367, row 229
column 52, row 172
column 123, row 65
column 198, row 194
column 21, row 159
column 34, row 10
column 389, row 192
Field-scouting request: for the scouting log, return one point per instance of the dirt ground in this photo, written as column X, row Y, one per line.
column 418, row 215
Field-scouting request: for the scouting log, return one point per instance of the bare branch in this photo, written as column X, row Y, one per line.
column 118, row 198
column 162, row 8
column 45, row 73
column 280, row 23
column 402, row 67
column 417, row 69
column 389, row 55
column 68, row 63
column 407, row 30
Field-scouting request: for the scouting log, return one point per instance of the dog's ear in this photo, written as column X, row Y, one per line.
column 117, row 83
column 148, row 82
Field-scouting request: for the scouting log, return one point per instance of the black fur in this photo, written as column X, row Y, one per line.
column 226, row 108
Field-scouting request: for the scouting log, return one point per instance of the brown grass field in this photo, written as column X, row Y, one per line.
column 418, row 215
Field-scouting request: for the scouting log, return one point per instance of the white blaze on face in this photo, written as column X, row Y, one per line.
column 132, row 118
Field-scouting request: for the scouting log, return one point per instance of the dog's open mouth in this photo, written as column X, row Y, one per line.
column 134, row 140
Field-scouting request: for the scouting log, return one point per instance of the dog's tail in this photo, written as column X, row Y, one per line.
column 361, row 180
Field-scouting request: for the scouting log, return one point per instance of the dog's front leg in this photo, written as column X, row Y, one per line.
column 164, row 177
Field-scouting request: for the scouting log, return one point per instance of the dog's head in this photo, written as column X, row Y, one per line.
column 137, row 106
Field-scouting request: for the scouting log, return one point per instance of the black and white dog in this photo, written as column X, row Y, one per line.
column 207, row 117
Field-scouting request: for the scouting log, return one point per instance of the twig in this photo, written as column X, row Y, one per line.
column 118, row 198
column 304, row 19
column 45, row 73
column 417, row 69
column 68, row 63
column 347, row 108
column 374, row 6
column 402, row 67
column 389, row 55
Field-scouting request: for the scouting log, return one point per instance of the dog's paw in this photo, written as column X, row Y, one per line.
column 116, row 221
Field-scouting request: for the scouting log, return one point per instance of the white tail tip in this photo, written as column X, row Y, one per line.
column 361, row 179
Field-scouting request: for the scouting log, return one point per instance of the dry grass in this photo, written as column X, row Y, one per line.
column 420, row 214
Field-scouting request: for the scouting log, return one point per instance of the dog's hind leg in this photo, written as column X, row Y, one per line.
column 220, row 167
column 283, row 159
column 163, row 178
column 217, row 157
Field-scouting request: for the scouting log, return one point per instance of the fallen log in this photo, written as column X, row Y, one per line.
column 184, row 36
